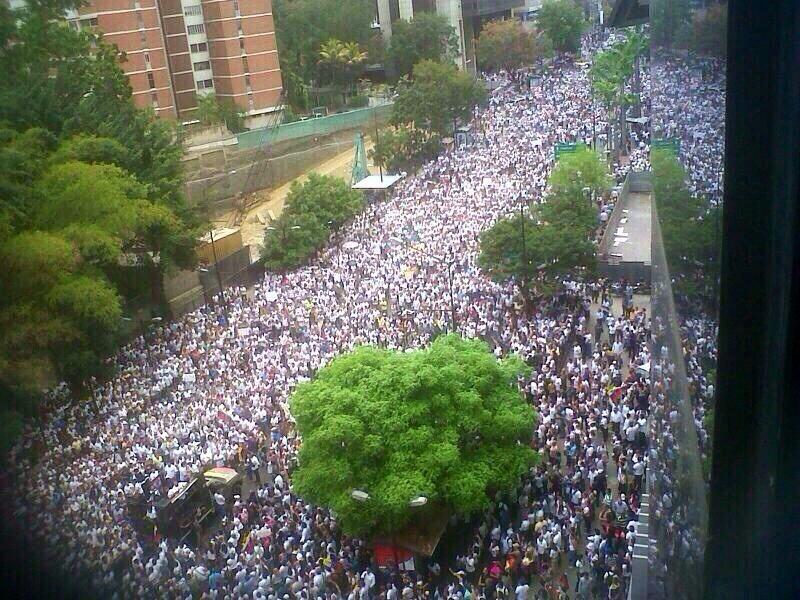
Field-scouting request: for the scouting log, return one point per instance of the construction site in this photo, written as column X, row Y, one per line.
column 240, row 184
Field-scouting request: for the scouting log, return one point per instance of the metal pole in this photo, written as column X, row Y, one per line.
column 524, row 247
column 380, row 164
column 452, row 300
column 216, row 268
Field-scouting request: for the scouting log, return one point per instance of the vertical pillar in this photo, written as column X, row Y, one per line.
column 406, row 9
column 385, row 20
column 451, row 10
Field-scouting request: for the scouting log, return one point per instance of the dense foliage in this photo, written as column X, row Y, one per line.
column 535, row 251
column 91, row 201
column 428, row 36
column 509, row 45
column 447, row 423
column 302, row 28
column 312, row 211
column 611, row 70
column 220, row 111
column 562, row 22
column 438, row 95
column 404, row 148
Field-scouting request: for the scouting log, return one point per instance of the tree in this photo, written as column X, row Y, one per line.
column 536, row 252
column 447, row 423
column 710, row 31
column 426, row 37
column 312, row 211
column 70, row 83
column 508, row 45
column 533, row 254
column 437, row 96
column 303, row 26
column 403, row 148
column 344, row 59
column 562, row 22
column 578, row 170
column 669, row 20
column 214, row 111
column 610, row 72
column 56, row 310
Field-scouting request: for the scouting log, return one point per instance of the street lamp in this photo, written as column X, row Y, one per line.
column 205, row 293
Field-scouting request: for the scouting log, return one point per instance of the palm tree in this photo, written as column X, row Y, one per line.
column 344, row 57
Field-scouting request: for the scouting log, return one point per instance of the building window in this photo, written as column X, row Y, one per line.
column 245, row 65
column 154, row 99
column 195, row 29
column 202, row 65
column 193, row 10
column 250, row 102
column 140, row 20
column 201, row 47
column 151, row 80
column 205, row 84
column 241, row 44
column 236, row 8
column 89, row 22
column 137, row 4
column 239, row 24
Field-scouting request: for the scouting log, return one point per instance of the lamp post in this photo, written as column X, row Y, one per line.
column 141, row 329
column 284, row 238
column 205, row 293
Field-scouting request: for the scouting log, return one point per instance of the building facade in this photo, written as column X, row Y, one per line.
column 179, row 50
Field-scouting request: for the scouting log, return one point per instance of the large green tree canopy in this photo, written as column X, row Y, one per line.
column 438, row 94
column 448, row 423
column 313, row 210
column 535, row 251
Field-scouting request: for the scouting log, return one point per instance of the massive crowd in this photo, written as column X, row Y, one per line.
column 212, row 389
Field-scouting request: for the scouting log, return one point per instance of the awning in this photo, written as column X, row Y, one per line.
column 376, row 182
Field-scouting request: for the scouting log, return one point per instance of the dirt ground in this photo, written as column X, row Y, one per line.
column 273, row 200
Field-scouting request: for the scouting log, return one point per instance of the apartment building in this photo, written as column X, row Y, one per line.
column 179, row 50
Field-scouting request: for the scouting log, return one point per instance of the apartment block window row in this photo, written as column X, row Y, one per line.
column 151, row 80
column 205, row 84
column 201, row 47
column 195, row 29
column 202, row 65
column 193, row 10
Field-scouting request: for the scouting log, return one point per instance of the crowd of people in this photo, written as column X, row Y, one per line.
column 211, row 389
